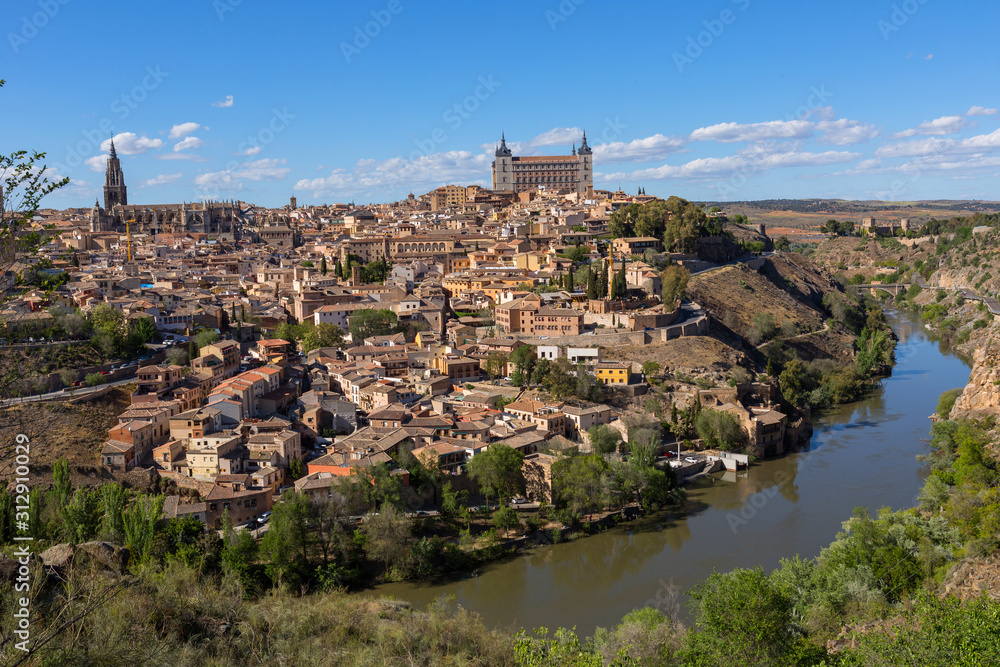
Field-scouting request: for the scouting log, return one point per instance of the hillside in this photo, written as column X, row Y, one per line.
column 63, row 430
column 787, row 292
column 800, row 219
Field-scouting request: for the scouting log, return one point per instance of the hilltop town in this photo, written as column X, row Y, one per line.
column 259, row 351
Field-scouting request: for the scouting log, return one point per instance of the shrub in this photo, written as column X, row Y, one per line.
column 946, row 402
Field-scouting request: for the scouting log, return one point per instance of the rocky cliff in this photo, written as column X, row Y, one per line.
column 981, row 395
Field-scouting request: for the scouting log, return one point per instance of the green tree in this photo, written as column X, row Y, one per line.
column 386, row 539
column 285, row 544
column 496, row 364
column 139, row 520
column 206, row 337
column 7, row 531
column 497, row 471
column 81, row 518
column 506, row 518
column 108, row 320
column 790, row 381
column 603, row 438
column 579, row 484
column 114, row 499
column 369, row 322
column 592, row 289
column 524, row 359
column 782, row 243
column 874, row 350
column 322, row 265
column 742, row 619
column 650, row 368
column 239, row 554
column 144, row 329
column 561, row 379
column 936, row 631
column 62, row 484
column 674, row 280
column 323, row 335
column 720, row 430
column 453, row 503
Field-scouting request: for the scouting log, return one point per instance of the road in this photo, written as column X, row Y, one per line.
column 51, row 343
column 992, row 304
column 62, row 393
column 741, row 260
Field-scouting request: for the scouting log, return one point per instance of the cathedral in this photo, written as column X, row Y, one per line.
column 205, row 217
column 553, row 172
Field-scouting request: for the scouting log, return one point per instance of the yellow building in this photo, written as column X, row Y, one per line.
column 610, row 372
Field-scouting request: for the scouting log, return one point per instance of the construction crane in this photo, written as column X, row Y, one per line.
column 128, row 238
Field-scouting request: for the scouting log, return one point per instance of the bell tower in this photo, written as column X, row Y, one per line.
column 585, row 163
column 114, row 182
column 503, row 167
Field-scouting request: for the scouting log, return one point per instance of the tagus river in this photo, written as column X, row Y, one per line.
column 861, row 454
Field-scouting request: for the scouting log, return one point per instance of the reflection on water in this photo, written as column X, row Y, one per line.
column 861, row 454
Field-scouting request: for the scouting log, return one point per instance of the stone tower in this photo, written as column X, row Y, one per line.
column 503, row 167
column 114, row 182
column 585, row 159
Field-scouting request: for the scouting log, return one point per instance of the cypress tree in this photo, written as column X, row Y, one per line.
column 322, row 265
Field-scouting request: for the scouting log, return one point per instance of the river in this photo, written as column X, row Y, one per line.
column 861, row 454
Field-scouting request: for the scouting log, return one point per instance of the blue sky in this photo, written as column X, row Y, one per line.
column 726, row 99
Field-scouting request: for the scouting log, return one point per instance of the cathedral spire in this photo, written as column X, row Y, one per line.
column 115, row 191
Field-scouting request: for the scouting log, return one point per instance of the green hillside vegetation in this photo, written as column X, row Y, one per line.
column 191, row 599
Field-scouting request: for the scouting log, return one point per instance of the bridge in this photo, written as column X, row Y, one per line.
column 891, row 288
column 895, row 288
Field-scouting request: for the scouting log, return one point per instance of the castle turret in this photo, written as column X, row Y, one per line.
column 503, row 167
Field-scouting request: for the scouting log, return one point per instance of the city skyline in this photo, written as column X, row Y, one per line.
column 865, row 101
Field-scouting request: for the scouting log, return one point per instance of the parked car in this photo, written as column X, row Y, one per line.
column 518, row 501
column 691, row 459
column 263, row 518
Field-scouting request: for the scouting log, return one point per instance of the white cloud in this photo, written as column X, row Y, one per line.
column 422, row 172
column 228, row 102
column 936, row 146
column 97, row 163
column 232, row 179
column 162, row 179
column 981, row 111
column 735, row 132
column 181, row 156
column 558, row 136
column 936, row 127
column 745, row 163
column 250, row 152
column 656, row 147
column 189, row 142
column 128, row 143
column 183, row 130
column 845, row 132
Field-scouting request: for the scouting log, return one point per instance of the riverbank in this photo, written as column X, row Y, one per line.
column 861, row 454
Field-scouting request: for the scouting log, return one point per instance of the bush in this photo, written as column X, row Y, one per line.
column 946, row 402
column 94, row 379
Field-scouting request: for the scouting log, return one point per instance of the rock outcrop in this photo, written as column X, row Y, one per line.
column 102, row 555
column 981, row 395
